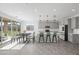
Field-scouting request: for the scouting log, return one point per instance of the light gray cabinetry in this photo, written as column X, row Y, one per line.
column 77, row 22
column 51, row 23
column 73, row 29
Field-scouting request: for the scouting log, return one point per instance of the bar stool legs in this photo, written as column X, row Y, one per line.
column 41, row 37
column 48, row 36
column 54, row 38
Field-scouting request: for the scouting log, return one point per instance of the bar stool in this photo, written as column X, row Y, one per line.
column 48, row 35
column 54, row 37
column 41, row 35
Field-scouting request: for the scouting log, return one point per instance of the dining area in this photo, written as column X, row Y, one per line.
column 23, row 38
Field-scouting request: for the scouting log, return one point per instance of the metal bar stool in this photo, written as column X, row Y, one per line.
column 48, row 35
column 54, row 37
column 41, row 36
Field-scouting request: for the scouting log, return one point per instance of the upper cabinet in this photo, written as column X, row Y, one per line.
column 51, row 23
column 73, row 22
column 77, row 22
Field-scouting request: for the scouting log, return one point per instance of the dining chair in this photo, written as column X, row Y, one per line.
column 0, row 38
column 31, row 37
column 15, row 38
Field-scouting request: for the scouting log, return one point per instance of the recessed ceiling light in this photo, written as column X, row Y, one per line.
column 54, row 9
column 73, row 9
column 35, row 10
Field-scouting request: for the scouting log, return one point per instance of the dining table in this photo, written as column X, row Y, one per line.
column 24, row 36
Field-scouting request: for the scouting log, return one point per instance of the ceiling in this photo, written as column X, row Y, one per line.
column 31, row 11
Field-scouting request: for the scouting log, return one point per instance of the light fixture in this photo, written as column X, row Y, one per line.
column 54, row 9
column 73, row 9
column 35, row 10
